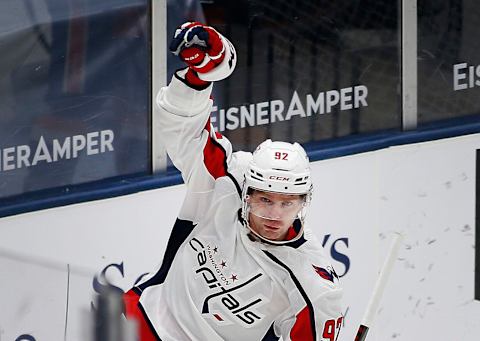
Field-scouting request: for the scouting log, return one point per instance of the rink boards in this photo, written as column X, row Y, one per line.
column 53, row 261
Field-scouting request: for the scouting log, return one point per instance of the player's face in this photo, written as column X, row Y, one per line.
column 271, row 214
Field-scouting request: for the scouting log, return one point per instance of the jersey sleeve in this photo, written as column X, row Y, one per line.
column 201, row 154
column 187, row 134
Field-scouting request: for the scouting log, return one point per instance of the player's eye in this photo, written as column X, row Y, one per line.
column 287, row 203
column 265, row 200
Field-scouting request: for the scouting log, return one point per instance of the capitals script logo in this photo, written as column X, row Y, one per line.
column 329, row 273
column 222, row 287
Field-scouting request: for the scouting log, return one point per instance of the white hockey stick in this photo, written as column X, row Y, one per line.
column 382, row 279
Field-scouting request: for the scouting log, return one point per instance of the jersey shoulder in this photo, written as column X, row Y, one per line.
column 238, row 165
column 311, row 265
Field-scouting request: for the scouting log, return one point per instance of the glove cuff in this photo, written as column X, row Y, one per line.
column 193, row 79
column 190, row 78
column 225, row 67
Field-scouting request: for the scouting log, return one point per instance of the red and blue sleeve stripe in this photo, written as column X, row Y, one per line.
column 214, row 155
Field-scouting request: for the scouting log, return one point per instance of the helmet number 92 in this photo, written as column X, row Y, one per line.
column 281, row 156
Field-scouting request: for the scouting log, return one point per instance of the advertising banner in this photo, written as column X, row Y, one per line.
column 448, row 59
column 74, row 92
column 306, row 71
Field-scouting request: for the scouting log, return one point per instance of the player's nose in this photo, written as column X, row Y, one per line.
column 274, row 211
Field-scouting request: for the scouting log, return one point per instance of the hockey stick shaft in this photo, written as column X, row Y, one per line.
column 382, row 279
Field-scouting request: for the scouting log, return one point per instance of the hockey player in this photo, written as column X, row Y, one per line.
column 239, row 264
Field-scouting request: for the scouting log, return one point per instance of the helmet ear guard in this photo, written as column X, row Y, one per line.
column 278, row 167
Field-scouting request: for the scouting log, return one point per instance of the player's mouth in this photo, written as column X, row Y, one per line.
column 270, row 227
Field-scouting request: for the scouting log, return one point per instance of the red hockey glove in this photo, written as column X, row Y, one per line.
column 209, row 55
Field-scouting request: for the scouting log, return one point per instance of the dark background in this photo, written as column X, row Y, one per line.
column 308, row 47
column 69, row 67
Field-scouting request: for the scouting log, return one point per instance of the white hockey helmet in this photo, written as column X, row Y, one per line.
column 278, row 167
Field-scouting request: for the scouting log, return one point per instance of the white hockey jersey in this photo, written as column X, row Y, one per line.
column 216, row 281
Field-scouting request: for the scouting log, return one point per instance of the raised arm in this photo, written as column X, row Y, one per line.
column 184, row 105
